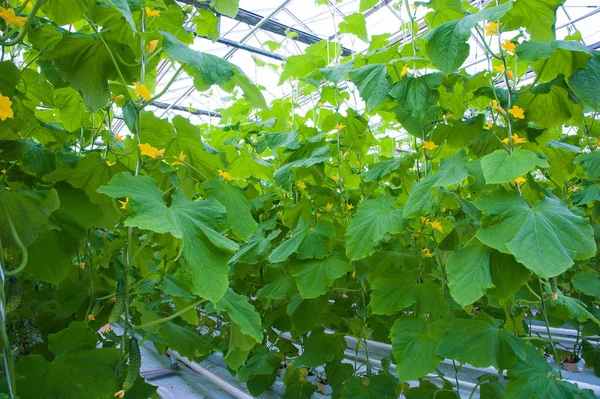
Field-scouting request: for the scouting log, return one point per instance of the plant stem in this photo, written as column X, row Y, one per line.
column 22, row 248
column 543, row 305
column 9, row 366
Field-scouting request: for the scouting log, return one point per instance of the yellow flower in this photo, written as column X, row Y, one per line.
column 113, row 299
column 508, row 46
column 353, row 274
column 510, row 74
column 424, row 220
column 151, row 13
column 290, row 123
column 180, row 159
column 124, row 203
column 488, row 125
column 110, row 163
column 91, row 317
column 491, row 29
column 517, row 112
column 142, row 91
column 321, row 105
column 318, row 215
column 499, row 108
column 291, row 101
column 516, row 140
column 498, row 68
column 449, row 116
column 5, row 109
column 150, row 47
column 225, row 176
column 427, row 253
column 118, row 98
column 437, row 226
column 82, row 265
column 10, row 17
column 350, row 207
column 340, row 127
column 520, row 180
column 118, row 137
column 301, row 185
column 335, row 178
column 329, row 207
column 120, row 394
column 106, row 328
column 554, row 296
column 345, row 155
column 429, row 145
column 413, row 6
column 414, row 236
column 404, row 70
column 147, row 149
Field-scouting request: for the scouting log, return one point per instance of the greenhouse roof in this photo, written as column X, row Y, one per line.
column 265, row 33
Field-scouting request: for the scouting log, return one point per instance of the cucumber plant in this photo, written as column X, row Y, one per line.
column 394, row 195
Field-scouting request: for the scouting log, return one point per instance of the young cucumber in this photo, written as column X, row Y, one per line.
column 119, row 307
column 135, row 362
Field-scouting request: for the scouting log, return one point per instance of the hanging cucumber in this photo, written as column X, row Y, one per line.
column 135, row 362
column 119, row 307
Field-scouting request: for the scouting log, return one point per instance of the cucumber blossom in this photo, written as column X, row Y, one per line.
column 135, row 362
column 119, row 307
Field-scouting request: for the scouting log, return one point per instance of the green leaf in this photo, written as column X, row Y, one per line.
column 123, row 7
column 588, row 283
column 205, row 250
column 380, row 170
column 209, row 70
column 78, row 370
column 507, row 275
column 538, row 17
column 534, row 378
column 64, row 12
column 32, row 156
column 566, row 307
column 226, row 7
column 315, row 277
column 380, row 386
column 586, row 83
column 503, row 167
column 239, row 215
column 257, row 249
column 86, row 64
column 444, row 11
column 482, row 342
column 207, row 24
column 29, row 211
column 306, row 241
column 262, row 361
column 590, row 162
column 240, row 346
column 468, row 273
column 414, row 343
column 321, row 348
column 417, row 95
column 591, row 355
column 446, row 45
column 242, row 313
column 9, row 78
column 545, row 238
column 186, row 341
column 367, row 4
column 550, row 59
column 355, row 24
column 373, row 220
column 373, row 84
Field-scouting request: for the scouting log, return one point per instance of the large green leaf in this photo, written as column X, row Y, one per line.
column 307, row 241
column 546, row 238
column 64, row 12
column 205, row 250
column 78, row 370
column 482, row 342
column 374, row 219
column 226, row 7
column 373, row 84
column 533, row 378
column 185, row 341
column 468, row 273
column 209, row 70
column 549, row 59
column 503, row 167
column 84, row 61
column 356, row 25
column 316, row 276
column 538, row 17
column 446, row 45
column 443, row 11
column 586, row 83
column 590, row 162
column 123, row 7
column 320, row 348
column 242, row 313
column 417, row 94
column 379, row 386
column 33, row 157
column 414, row 342
column 239, row 215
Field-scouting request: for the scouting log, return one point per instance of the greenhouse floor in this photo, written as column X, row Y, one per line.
column 177, row 377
